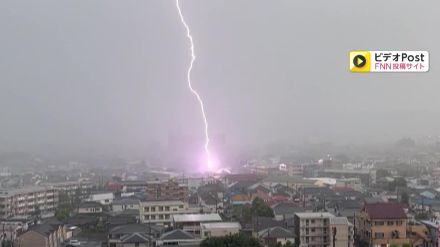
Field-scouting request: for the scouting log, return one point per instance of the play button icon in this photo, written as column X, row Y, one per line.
column 359, row 61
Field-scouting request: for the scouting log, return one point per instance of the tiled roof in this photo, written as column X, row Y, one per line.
column 275, row 232
column 176, row 235
column 385, row 211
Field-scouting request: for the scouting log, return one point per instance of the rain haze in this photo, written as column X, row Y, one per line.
column 110, row 76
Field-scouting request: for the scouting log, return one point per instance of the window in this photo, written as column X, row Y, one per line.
column 378, row 223
column 390, row 223
column 160, row 208
column 379, row 235
column 313, row 229
column 167, row 208
column 399, row 222
column 180, row 206
column 147, row 209
column 313, row 221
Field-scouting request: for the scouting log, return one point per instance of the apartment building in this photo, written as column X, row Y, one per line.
column 27, row 201
column 313, row 229
column 382, row 224
column 342, row 232
column 159, row 190
column 73, row 188
column 160, row 212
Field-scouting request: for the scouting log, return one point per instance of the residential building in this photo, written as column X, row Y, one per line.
column 276, row 235
column 159, row 190
column 192, row 222
column 125, row 204
column 312, row 229
column 219, row 229
column 104, row 198
column 382, row 224
column 160, row 212
column 44, row 235
column 139, row 235
column 73, row 188
column 285, row 210
column 90, row 208
column 178, row 238
column 27, row 201
column 342, row 232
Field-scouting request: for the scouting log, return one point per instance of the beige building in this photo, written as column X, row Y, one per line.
column 342, row 232
column 27, row 201
column 313, row 229
column 382, row 224
column 160, row 212
column 219, row 229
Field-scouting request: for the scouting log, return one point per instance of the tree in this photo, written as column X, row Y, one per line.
column 404, row 198
column 236, row 240
column 278, row 244
column 62, row 213
column 260, row 208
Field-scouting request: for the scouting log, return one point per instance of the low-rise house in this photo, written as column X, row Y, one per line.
column 90, row 208
column 177, row 238
column 140, row 235
column 418, row 234
column 274, row 235
column 211, row 202
column 219, row 229
column 191, row 222
column 284, row 210
column 104, row 198
column 44, row 235
column 240, row 199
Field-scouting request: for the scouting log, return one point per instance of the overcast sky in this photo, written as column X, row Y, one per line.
column 110, row 74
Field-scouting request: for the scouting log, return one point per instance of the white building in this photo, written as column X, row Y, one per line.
column 312, row 229
column 104, row 198
column 192, row 222
column 26, row 201
column 219, row 229
column 160, row 212
column 125, row 204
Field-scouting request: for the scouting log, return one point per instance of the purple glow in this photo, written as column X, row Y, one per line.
column 209, row 162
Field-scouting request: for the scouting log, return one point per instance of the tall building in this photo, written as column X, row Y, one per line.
column 322, row 230
column 382, row 224
column 342, row 232
column 26, row 201
column 313, row 229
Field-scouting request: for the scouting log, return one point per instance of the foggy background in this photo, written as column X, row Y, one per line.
column 110, row 75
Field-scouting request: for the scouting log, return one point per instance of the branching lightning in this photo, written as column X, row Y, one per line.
column 199, row 98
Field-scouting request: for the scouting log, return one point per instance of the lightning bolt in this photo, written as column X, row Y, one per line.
column 193, row 91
